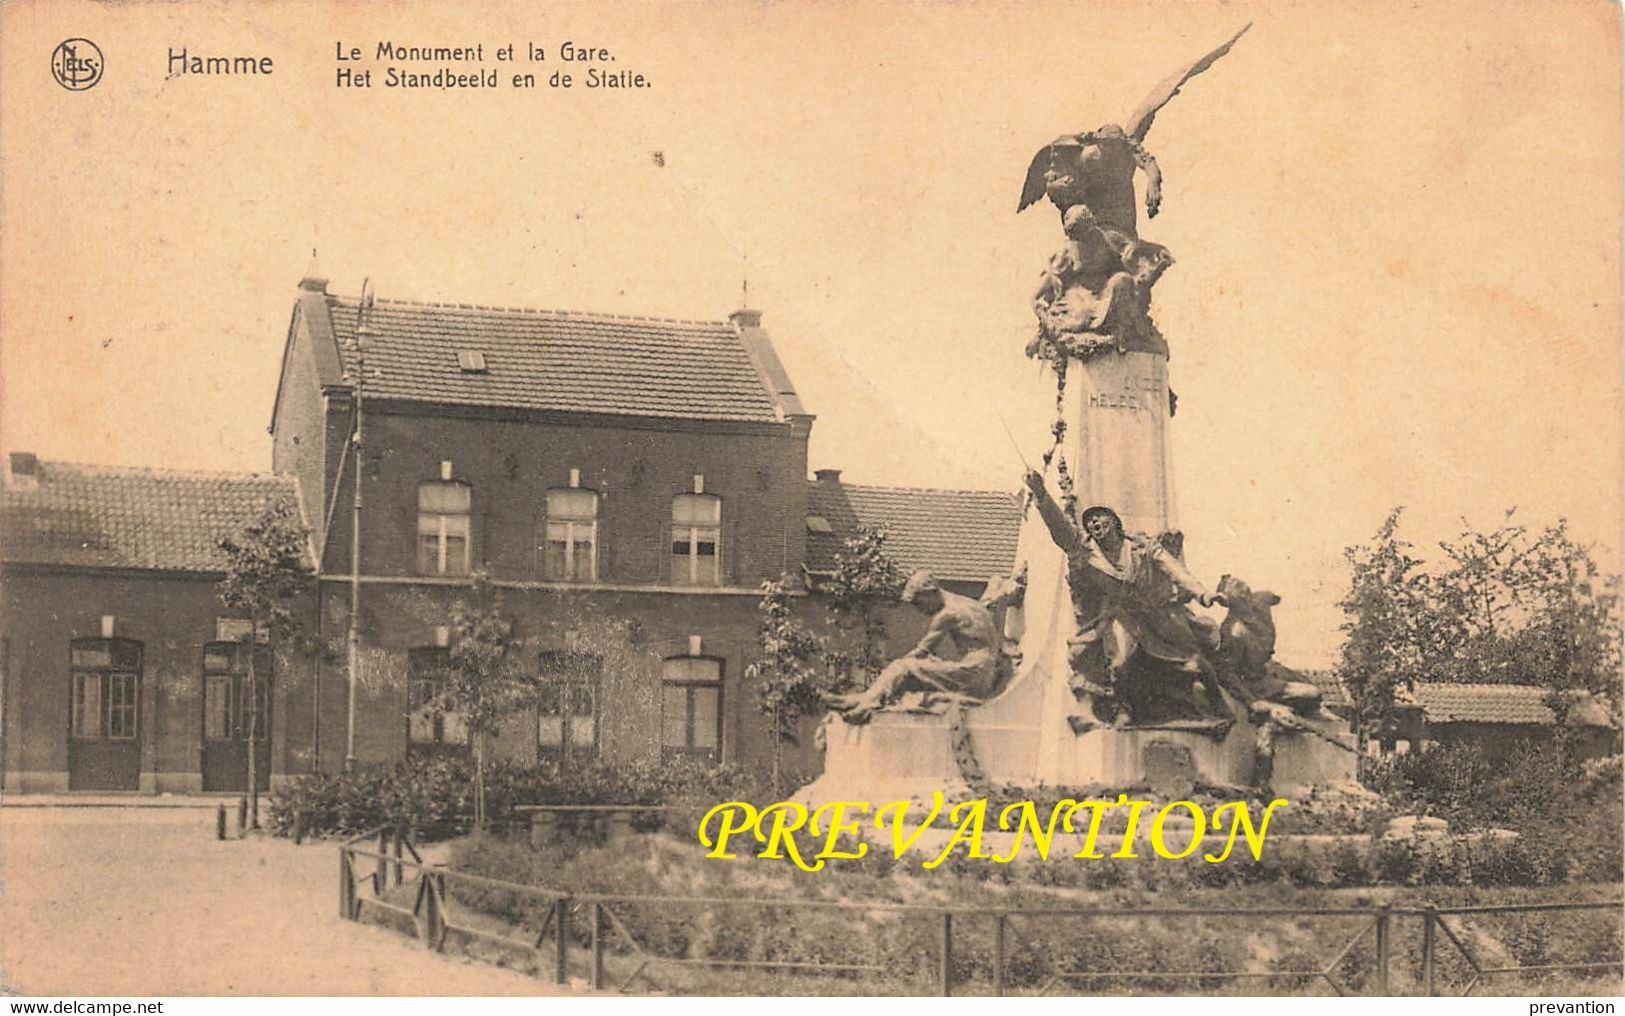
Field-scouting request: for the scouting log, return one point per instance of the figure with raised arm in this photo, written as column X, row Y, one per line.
column 1129, row 595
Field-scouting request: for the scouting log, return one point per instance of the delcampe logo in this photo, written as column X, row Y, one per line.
column 77, row 64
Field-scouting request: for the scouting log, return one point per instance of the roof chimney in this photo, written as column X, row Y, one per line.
column 746, row 318
column 828, row 476
column 24, row 470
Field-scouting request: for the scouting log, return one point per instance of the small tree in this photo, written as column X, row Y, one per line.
column 787, row 676
column 267, row 572
column 487, row 679
column 1382, row 610
column 864, row 581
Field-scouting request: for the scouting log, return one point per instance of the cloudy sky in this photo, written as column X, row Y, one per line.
column 1396, row 229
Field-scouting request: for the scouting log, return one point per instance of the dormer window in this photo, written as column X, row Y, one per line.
column 443, row 528
column 471, row 361
column 570, row 551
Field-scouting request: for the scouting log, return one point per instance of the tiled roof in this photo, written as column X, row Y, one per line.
column 121, row 517
column 1484, row 703
column 964, row 535
column 1332, row 691
column 557, row 360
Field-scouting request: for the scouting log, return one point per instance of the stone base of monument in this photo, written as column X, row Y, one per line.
column 893, row 757
column 901, row 756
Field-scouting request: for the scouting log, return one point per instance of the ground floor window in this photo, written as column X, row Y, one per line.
column 226, row 699
column 691, row 707
column 426, row 727
column 567, row 709
column 106, row 688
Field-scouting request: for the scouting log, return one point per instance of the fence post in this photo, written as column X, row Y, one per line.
column 597, row 946
column 947, row 953
column 1383, row 918
column 998, row 954
column 561, row 945
column 346, row 886
column 1429, row 917
column 398, row 872
column 220, row 822
column 431, row 909
column 380, row 880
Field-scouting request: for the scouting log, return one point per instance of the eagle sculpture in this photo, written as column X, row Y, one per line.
column 1096, row 168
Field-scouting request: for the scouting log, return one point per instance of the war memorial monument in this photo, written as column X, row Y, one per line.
column 1104, row 674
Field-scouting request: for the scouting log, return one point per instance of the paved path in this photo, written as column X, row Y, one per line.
column 142, row 901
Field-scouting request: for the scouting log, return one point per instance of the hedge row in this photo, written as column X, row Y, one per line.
column 436, row 795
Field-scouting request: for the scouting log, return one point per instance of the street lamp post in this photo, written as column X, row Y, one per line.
column 363, row 335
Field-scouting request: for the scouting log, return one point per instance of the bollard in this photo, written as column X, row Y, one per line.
column 298, row 828
column 947, row 954
column 242, row 817
column 220, row 823
column 346, row 886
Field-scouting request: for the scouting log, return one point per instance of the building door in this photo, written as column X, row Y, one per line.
column 228, row 714
column 104, row 722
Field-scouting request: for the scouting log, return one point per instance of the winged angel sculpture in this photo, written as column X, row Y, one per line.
column 1095, row 293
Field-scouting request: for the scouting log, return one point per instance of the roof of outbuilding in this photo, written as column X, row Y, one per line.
column 1520, row 704
column 1333, row 691
column 125, row 517
column 957, row 535
column 557, row 360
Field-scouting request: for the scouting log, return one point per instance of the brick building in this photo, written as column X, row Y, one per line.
column 117, row 669
column 627, row 483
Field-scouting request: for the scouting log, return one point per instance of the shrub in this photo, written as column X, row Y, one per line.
column 1395, row 861
column 435, row 795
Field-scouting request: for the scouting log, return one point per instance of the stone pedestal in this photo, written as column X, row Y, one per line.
column 1116, row 450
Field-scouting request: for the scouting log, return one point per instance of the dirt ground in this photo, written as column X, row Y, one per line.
column 136, row 901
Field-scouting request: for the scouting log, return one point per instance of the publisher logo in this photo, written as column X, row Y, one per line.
column 77, row 64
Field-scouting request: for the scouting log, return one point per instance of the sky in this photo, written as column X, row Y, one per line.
column 1396, row 229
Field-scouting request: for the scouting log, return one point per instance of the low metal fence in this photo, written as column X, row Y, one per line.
column 590, row 933
column 1436, row 923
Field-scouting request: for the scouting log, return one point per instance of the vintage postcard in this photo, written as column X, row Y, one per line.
column 810, row 499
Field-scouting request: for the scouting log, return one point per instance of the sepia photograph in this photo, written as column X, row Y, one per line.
column 513, row 499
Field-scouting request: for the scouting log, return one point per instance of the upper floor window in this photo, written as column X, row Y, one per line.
column 691, row 706
column 570, row 552
column 443, row 529
column 426, row 682
column 696, row 540
column 106, row 676
column 567, row 712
